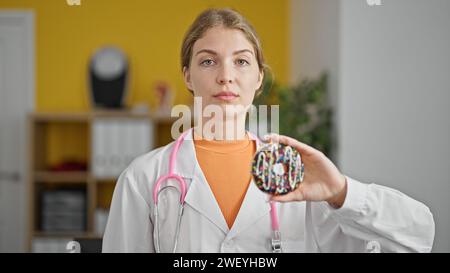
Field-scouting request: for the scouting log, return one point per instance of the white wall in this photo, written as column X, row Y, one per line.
column 314, row 44
column 392, row 92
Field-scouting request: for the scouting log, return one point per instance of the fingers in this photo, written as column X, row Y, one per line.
column 296, row 195
column 301, row 147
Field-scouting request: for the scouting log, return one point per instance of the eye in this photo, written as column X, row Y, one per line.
column 242, row 62
column 207, row 62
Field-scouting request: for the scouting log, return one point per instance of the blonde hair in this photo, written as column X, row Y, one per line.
column 221, row 17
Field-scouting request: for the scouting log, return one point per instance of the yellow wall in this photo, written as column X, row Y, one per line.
column 149, row 31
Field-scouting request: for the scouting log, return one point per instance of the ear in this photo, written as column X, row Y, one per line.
column 187, row 78
column 260, row 79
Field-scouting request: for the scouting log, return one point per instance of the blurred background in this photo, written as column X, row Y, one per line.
column 87, row 85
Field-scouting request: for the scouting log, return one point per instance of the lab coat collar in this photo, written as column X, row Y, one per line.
column 185, row 166
column 201, row 198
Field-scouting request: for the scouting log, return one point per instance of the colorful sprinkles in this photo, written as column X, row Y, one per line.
column 277, row 169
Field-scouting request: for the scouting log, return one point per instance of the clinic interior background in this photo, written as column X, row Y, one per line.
column 389, row 87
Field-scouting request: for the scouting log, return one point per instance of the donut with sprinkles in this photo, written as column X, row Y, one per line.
column 277, row 169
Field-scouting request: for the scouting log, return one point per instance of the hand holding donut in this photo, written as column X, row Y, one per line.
column 322, row 180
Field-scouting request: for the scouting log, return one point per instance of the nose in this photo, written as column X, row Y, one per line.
column 225, row 75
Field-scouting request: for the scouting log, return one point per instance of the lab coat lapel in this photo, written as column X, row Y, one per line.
column 254, row 206
column 199, row 195
column 184, row 165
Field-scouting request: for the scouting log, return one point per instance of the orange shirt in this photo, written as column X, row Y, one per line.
column 226, row 165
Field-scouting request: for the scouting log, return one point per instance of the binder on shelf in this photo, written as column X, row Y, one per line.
column 98, row 149
column 116, row 142
column 100, row 220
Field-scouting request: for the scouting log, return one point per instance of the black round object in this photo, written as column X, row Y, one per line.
column 108, row 78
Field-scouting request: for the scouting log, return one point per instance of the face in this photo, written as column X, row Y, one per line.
column 223, row 69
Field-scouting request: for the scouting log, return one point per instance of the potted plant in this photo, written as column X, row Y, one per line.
column 304, row 111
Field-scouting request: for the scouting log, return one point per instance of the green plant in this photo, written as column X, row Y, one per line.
column 304, row 111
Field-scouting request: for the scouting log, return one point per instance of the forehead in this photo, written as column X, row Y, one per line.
column 223, row 40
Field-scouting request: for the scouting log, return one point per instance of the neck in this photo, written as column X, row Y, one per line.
column 228, row 128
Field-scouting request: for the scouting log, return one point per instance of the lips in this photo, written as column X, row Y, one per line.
column 226, row 95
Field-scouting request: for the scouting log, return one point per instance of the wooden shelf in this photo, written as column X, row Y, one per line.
column 60, row 117
column 62, row 177
column 61, row 132
column 120, row 113
column 86, row 116
column 61, row 234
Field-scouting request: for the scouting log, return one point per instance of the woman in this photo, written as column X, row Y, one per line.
column 224, row 211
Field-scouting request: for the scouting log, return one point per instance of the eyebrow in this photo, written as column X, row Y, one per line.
column 215, row 53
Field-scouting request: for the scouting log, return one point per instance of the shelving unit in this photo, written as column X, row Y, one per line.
column 53, row 136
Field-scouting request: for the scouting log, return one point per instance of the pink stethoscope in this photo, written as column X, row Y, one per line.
column 276, row 235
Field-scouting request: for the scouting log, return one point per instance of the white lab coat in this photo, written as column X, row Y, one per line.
column 372, row 215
